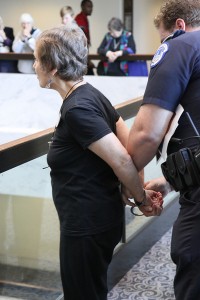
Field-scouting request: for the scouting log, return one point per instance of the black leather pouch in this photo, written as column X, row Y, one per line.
column 182, row 169
column 170, row 171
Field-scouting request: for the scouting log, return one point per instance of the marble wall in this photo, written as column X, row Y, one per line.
column 28, row 220
column 29, row 234
column 25, row 108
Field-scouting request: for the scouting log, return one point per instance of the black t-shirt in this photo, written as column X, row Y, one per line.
column 85, row 189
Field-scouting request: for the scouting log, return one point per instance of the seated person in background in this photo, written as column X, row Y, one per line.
column 25, row 42
column 117, row 42
column 67, row 15
column 6, row 41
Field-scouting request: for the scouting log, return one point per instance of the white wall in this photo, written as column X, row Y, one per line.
column 146, row 36
column 46, row 14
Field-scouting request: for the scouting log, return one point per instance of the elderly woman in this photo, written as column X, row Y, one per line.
column 87, row 163
column 116, row 42
column 24, row 42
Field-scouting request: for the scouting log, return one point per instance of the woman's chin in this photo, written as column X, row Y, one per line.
column 42, row 85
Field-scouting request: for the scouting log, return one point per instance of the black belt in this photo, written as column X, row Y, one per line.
column 182, row 168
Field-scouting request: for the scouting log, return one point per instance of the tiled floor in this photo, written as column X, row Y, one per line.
column 29, row 284
column 151, row 278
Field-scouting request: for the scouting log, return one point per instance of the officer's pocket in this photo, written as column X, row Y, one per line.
column 191, row 196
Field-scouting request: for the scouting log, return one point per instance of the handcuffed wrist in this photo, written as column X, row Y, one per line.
column 141, row 203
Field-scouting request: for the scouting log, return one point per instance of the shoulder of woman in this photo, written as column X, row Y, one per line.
column 108, row 35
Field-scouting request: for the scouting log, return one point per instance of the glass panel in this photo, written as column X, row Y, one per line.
column 29, row 235
column 134, row 223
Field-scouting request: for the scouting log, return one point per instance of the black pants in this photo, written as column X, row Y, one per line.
column 84, row 263
column 185, row 247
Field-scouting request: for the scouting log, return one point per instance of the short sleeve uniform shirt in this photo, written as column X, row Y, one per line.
column 175, row 79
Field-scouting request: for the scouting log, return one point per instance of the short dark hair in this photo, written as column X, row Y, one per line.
column 83, row 2
column 171, row 10
column 65, row 49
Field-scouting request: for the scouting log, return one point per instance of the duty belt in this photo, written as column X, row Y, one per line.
column 182, row 169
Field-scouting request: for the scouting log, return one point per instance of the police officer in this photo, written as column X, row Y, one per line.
column 175, row 80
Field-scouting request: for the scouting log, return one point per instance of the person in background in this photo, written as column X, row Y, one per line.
column 82, row 18
column 24, row 42
column 116, row 42
column 83, row 22
column 67, row 15
column 6, row 41
column 88, row 161
column 173, row 84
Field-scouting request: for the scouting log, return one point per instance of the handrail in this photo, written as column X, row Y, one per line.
column 22, row 150
column 28, row 56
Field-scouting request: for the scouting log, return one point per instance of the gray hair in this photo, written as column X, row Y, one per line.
column 115, row 24
column 65, row 49
column 26, row 18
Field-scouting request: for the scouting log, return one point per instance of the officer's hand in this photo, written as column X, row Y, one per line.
column 158, row 184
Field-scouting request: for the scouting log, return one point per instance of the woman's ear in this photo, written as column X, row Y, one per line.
column 53, row 72
column 180, row 24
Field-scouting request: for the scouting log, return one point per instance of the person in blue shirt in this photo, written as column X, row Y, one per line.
column 175, row 80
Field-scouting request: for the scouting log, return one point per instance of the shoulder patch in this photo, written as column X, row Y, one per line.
column 160, row 53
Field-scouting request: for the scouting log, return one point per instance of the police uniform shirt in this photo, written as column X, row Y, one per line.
column 175, row 79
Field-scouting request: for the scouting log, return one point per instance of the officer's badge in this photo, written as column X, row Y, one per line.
column 160, row 53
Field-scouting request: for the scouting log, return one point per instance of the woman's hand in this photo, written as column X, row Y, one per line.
column 153, row 203
column 118, row 53
column 26, row 30
column 112, row 56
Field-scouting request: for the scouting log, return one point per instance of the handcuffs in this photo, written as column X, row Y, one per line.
column 138, row 204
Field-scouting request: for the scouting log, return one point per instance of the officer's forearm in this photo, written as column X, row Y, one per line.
column 142, row 151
